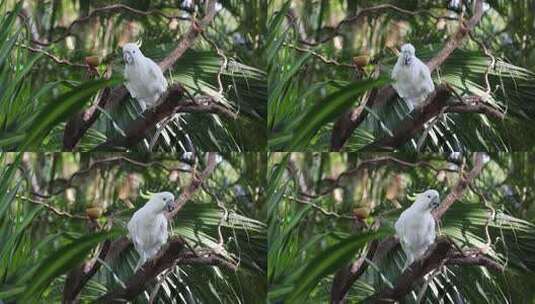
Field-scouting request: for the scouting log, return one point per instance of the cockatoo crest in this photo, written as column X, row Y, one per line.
column 412, row 78
column 416, row 226
column 148, row 226
column 144, row 78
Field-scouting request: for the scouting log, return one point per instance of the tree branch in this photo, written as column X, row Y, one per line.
column 78, row 125
column 335, row 31
column 172, row 104
column 344, row 278
column 78, row 277
column 349, row 121
column 442, row 252
column 479, row 260
column 135, row 131
column 136, row 283
column 481, row 108
column 460, row 187
column 98, row 11
column 54, row 58
column 415, row 121
column 196, row 182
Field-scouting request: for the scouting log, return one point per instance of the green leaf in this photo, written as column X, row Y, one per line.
column 329, row 260
column 59, row 262
column 329, row 108
column 62, row 108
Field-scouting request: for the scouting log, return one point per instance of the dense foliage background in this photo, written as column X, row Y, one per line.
column 59, row 211
column 328, row 57
column 56, row 58
column 326, row 210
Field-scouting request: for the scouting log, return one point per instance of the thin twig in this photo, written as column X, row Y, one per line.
column 222, row 67
column 69, row 181
column 375, row 160
column 52, row 208
column 53, row 57
column 321, row 209
column 321, row 57
column 365, row 12
column 104, row 9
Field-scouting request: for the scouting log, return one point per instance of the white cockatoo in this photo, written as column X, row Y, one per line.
column 144, row 78
column 416, row 226
column 148, row 226
column 412, row 78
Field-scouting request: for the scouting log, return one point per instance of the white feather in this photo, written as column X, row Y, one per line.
column 144, row 78
column 148, row 226
column 416, row 226
column 412, row 78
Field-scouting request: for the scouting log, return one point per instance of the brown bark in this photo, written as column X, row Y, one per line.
column 136, row 283
column 78, row 277
column 136, row 130
column 414, row 122
column 172, row 103
column 344, row 278
column 442, row 252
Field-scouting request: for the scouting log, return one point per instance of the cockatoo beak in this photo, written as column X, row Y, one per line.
column 128, row 57
column 407, row 58
column 170, row 206
column 435, row 202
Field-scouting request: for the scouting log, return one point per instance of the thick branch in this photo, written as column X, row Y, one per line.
column 136, row 284
column 196, row 182
column 476, row 260
column 175, row 253
column 345, row 277
column 481, row 108
column 190, row 37
column 413, row 273
column 442, row 252
column 455, row 40
column 78, row 277
column 460, row 187
column 76, row 127
column 172, row 103
column 415, row 121
column 349, row 121
column 135, row 131
column 191, row 258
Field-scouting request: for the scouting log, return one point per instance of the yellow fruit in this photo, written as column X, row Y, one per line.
column 92, row 60
column 361, row 60
column 362, row 212
column 93, row 212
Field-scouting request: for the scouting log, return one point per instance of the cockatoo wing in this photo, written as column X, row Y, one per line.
column 156, row 78
column 430, row 233
column 425, row 78
column 128, row 85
